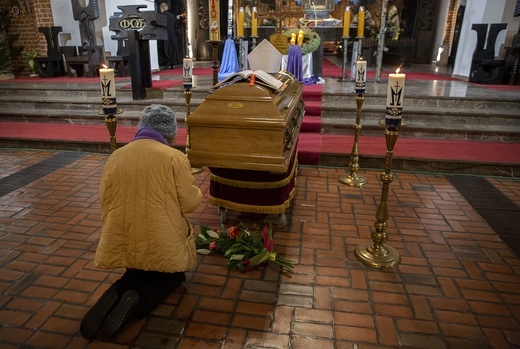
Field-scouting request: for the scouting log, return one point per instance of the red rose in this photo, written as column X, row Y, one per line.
column 233, row 232
column 213, row 245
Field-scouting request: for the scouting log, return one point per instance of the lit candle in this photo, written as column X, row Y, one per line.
column 346, row 21
column 394, row 98
column 214, row 20
column 293, row 42
column 108, row 90
column 361, row 22
column 361, row 77
column 254, row 23
column 300, row 38
column 187, row 75
column 240, row 24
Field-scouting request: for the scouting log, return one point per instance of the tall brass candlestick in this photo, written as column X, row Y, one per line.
column 345, row 58
column 187, row 98
column 353, row 179
column 376, row 254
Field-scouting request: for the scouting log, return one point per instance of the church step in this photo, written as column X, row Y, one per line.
column 428, row 117
column 434, row 103
column 414, row 129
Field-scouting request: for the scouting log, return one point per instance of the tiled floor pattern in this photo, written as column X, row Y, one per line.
column 457, row 286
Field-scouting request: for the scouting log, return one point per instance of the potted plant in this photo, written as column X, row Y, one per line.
column 31, row 63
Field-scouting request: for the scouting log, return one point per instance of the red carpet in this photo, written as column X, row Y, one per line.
column 331, row 70
column 500, row 87
column 310, row 145
column 311, row 125
column 159, row 84
column 62, row 79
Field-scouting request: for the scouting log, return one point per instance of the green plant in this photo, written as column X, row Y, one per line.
column 30, row 61
column 8, row 47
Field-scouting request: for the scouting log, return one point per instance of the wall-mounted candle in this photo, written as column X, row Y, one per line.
column 394, row 98
column 240, row 24
column 254, row 22
column 214, row 20
column 361, row 76
column 187, row 73
column 108, row 90
column 361, row 22
column 300, row 38
column 346, row 21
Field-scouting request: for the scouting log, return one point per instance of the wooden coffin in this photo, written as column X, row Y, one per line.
column 246, row 127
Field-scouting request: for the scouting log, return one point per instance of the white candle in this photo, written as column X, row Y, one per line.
column 361, row 76
column 108, row 90
column 394, row 98
column 187, row 75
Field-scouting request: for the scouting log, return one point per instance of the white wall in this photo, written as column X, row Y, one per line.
column 477, row 11
column 62, row 13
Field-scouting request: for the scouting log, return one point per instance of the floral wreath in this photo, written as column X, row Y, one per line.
column 245, row 248
column 311, row 39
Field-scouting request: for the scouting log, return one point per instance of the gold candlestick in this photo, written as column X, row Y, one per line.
column 111, row 124
column 345, row 58
column 353, row 179
column 376, row 254
column 187, row 98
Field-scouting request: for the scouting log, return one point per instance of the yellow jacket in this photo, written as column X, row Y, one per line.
column 146, row 188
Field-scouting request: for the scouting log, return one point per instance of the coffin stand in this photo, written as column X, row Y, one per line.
column 247, row 136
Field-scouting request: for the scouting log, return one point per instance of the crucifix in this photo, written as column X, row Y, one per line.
column 280, row 15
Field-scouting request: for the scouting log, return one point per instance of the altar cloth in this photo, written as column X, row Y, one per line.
column 306, row 64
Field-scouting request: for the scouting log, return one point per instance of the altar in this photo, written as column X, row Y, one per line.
column 307, row 70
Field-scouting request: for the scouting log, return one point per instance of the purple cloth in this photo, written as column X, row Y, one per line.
column 150, row 133
column 294, row 62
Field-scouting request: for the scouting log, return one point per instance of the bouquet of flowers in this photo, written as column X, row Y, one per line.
column 244, row 248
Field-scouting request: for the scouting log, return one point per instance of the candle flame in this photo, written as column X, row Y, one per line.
column 398, row 69
column 104, row 66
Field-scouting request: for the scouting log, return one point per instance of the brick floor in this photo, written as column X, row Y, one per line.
column 458, row 285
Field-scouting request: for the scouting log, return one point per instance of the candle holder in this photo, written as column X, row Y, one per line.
column 353, row 179
column 240, row 53
column 376, row 254
column 111, row 124
column 187, row 98
column 345, row 58
column 215, row 65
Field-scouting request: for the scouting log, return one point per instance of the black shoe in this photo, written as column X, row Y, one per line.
column 124, row 311
column 92, row 320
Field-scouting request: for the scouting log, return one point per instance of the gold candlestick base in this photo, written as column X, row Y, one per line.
column 111, row 124
column 375, row 256
column 352, row 180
